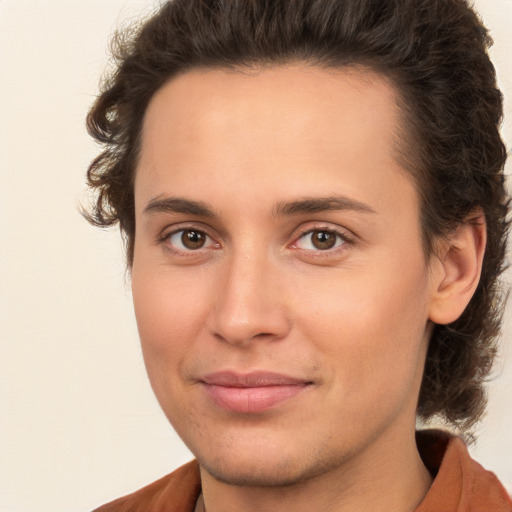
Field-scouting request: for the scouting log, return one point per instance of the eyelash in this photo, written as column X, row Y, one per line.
column 165, row 238
column 341, row 242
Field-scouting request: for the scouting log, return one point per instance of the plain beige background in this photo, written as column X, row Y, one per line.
column 79, row 424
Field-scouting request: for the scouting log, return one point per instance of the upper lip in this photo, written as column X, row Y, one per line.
column 251, row 380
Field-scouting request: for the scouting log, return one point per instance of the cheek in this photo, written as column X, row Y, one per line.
column 168, row 305
column 170, row 315
column 370, row 328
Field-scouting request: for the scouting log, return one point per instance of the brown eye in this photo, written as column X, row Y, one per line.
column 192, row 239
column 189, row 240
column 320, row 240
column 323, row 240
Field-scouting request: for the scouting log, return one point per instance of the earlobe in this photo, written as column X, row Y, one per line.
column 458, row 266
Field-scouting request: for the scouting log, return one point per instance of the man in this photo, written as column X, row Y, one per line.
column 312, row 197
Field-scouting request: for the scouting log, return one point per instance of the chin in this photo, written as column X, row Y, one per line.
column 249, row 471
column 262, row 476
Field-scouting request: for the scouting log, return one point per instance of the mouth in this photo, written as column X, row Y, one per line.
column 252, row 392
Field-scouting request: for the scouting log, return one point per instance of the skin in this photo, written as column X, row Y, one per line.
column 352, row 321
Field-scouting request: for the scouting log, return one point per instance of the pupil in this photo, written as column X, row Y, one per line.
column 324, row 240
column 192, row 239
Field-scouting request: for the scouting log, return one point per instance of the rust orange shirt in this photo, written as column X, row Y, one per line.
column 460, row 483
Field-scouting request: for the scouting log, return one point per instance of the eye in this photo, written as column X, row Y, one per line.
column 319, row 240
column 189, row 240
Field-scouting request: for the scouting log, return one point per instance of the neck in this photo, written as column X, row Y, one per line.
column 388, row 476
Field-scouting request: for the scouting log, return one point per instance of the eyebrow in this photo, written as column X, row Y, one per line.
column 179, row 205
column 282, row 209
column 320, row 204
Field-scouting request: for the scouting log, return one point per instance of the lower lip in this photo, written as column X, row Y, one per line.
column 252, row 399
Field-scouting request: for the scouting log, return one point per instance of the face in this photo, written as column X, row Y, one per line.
column 280, row 287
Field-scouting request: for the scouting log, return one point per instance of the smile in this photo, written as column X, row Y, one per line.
column 251, row 393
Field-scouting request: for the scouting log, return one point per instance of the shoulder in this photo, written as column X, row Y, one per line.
column 176, row 492
column 460, row 483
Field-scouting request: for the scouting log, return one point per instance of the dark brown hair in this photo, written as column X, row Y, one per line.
column 435, row 53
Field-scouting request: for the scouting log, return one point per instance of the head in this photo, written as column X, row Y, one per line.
column 431, row 58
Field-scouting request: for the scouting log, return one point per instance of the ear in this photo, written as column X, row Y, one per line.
column 456, row 269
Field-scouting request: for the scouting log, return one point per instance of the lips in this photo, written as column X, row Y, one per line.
column 252, row 392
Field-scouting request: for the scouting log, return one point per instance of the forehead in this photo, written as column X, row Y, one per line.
column 198, row 104
column 278, row 122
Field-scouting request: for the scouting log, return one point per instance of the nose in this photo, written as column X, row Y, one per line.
column 250, row 303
